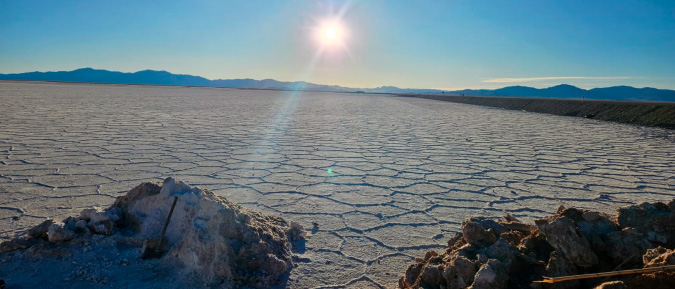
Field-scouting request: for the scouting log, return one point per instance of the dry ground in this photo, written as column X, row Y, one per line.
column 384, row 177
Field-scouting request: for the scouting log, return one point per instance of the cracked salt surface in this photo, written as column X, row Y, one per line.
column 404, row 172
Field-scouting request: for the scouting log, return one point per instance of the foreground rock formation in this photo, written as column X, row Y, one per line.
column 210, row 239
column 511, row 254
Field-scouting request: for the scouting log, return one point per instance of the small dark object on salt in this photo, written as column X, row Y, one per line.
column 154, row 248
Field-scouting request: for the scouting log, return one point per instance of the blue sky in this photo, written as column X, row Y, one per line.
column 413, row 44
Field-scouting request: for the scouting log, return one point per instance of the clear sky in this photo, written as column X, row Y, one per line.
column 413, row 44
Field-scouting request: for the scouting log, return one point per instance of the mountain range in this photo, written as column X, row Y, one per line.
column 154, row 77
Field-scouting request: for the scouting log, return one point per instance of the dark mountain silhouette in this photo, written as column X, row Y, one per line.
column 105, row 76
column 573, row 92
column 558, row 91
column 155, row 77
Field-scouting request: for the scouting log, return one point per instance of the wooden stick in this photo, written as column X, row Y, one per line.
column 166, row 224
column 605, row 274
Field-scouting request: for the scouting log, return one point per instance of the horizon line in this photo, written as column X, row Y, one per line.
column 490, row 80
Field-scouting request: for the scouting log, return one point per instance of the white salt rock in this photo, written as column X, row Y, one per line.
column 216, row 239
column 58, row 233
column 95, row 216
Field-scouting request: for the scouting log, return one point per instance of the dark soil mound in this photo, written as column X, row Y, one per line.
column 511, row 254
column 656, row 114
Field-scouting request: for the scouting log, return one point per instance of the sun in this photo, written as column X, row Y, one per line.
column 330, row 34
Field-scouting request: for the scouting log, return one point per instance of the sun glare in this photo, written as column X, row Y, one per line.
column 330, row 34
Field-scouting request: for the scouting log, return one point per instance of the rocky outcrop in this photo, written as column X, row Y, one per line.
column 511, row 254
column 562, row 233
column 215, row 241
column 659, row 257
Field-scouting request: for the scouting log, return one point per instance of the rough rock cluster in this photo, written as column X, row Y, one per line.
column 213, row 240
column 511, row 254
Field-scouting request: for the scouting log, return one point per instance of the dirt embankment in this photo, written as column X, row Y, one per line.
column 655, row 114
column 511, row 254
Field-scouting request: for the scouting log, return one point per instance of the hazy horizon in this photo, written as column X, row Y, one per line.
column 426, row 45
column 505, row 84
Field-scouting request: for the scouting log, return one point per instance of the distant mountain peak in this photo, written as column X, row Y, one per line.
column 161, row 77
column 565, row 86
column 388, row 87
column 148, row 71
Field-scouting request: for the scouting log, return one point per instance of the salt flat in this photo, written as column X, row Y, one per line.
column 385, row 178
